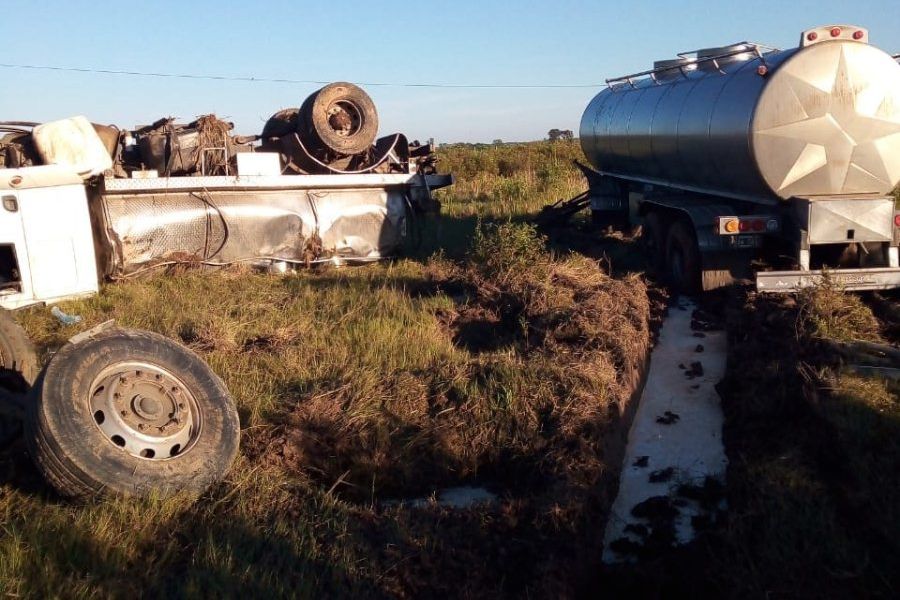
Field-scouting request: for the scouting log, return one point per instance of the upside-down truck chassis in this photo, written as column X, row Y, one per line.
column 747, row 155
column 130, row 412
column 61, row 236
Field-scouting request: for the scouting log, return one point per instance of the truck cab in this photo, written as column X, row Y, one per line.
column 46, row 239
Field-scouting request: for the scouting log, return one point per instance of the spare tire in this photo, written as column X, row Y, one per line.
column 340, row 118
column 125, row 412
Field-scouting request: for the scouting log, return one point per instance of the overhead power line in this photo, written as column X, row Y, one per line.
column 295, row 81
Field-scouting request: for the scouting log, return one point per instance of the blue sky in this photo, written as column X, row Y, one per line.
column 463, row 42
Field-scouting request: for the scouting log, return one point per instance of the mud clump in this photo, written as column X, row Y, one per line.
column 668, row 418
column 662, row 475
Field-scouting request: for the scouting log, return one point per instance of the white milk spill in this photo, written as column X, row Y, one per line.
column 676, row 437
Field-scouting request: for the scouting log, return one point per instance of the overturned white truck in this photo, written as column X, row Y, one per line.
column 127, row 412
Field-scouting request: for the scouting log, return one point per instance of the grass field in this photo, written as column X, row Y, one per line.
column 356, row 387
column 489, row 356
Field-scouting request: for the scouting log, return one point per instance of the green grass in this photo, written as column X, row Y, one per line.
column 812, row 486
column 492, row 362
column 357, row 386
column 500, row 182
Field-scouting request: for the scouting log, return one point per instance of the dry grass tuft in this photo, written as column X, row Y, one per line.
column 826, row 311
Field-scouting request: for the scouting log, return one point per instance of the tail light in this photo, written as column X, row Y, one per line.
column 749, row 224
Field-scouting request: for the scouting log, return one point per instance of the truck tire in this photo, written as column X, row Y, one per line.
column 683, row 267
column 18, row 370
column 18, row 360
column 282, row 123
column 341, row 117
column 653, row 240
column 127, row 413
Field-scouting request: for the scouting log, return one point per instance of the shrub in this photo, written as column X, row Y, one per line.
column 499, row 250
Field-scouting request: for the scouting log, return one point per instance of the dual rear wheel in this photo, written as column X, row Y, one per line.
column 670, row 243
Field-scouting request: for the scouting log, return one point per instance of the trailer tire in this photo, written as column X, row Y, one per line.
column 683, row 267
column 341, row 117
column 653, row 240
column 89, row 403
column 18, row 360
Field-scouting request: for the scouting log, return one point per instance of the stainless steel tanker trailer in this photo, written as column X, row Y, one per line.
column 733, row 154
column 130, row 412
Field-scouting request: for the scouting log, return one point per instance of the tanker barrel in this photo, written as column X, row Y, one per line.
column 754, row 123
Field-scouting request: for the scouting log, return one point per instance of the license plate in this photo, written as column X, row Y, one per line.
column 746, row 241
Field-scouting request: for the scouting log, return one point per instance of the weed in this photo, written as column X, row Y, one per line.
column 827, row 311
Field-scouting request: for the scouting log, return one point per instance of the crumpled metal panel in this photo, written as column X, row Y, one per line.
column 222, row 227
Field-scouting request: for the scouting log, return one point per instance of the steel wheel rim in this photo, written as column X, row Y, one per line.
column 144, row 410
column 339, row 113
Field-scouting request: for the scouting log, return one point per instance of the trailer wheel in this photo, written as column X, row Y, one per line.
column 682, row 259
column 342, row 117
column 653, row 238
column 129, row 413
column 18, row 360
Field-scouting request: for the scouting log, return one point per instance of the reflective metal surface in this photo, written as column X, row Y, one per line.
column 818, row 120
column 220, row 227
column 846, row 279
column 841, row 220
column 145, row 410
column 828, row 122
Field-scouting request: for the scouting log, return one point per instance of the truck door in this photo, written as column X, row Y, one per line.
column 60, row 242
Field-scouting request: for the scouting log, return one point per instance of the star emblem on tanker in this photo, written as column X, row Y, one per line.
column 836, row 126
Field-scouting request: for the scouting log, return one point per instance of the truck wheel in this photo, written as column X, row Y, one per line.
column 682, row 259
column 18, row 369
column 282, row 123
column 342, row 117
column 127, row 413
column 18, row 361
column 653, row 240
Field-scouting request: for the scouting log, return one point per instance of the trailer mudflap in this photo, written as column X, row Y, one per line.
column 848, row 279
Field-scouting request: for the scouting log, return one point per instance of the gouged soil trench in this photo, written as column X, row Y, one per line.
column 516, row 369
